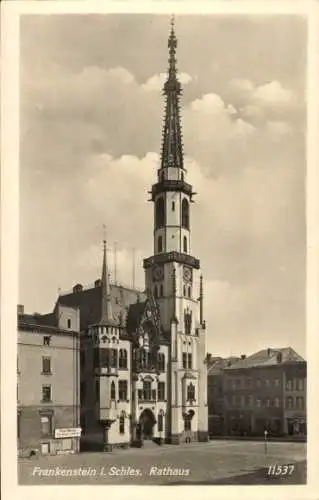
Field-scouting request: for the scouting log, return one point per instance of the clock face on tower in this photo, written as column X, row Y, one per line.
column 158, row 273
column 187, row 274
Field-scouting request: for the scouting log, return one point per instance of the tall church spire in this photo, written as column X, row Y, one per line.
column 172, row 147
column 106, row 306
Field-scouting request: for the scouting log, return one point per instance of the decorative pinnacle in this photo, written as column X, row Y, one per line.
column 106, row 307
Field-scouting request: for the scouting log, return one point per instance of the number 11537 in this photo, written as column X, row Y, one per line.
column 280, row 470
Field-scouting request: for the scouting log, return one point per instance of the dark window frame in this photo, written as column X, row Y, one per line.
column 46, row 396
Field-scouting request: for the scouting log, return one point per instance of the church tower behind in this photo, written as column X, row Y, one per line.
column 172, row 274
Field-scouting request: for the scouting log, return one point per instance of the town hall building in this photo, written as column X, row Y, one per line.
column 143, row 365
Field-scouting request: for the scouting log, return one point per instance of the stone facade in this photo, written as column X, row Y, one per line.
column 47, row 382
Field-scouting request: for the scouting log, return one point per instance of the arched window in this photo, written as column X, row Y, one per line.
column 155, row 292
column 190, row 392
column 189, row 291
column 123, row 358
column 161, row 290
column 289, row 385
column 160, row 213
column 300, row 403
column 173, row 206
column 160, row 244
column 185, row 244
column 147, row 390
column 122, row 423
column 113, row 391
column 289, row 402
column 277, row 402
column 185, row 213
column 113, row 360
column 161, row 362
column 182, row 176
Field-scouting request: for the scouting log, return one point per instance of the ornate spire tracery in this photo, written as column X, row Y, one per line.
column 172, row 146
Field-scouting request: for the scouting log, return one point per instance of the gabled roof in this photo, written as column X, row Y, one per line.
column 268, row 357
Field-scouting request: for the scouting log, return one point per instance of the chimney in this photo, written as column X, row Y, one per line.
column 279, row 357
column 97, row 283
column 20, row 309
column 77, row 288
column 243, row 356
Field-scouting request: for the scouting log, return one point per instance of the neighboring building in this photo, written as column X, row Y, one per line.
column 48, row 406
column 266, row 391
column 215, row 388
column 143, row 356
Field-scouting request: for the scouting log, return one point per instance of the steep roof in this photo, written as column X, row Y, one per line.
column 268, row 357
column 90, row 300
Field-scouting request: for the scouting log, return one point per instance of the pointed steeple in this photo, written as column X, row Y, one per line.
column 106, row 306
column 172, row 147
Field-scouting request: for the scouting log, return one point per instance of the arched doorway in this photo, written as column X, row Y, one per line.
column 147, row 422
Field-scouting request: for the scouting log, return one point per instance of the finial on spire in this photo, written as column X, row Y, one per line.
column 172, row 22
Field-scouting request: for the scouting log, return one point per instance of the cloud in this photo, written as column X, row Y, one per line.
column 156, row 82
column 90, row 138
column 272, row 94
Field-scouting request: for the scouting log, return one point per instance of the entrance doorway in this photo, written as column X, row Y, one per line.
column 147, row 422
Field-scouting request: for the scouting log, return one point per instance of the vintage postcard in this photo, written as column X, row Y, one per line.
column 160, row 176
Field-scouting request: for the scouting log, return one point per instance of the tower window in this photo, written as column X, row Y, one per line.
column 191, row 392
column 185, row 244
column 155, row 292
column 160, row 213
column 184, row 290
column 123, row 390
column 122, row 423
column 189, row 291
column 184, row 360
column 160, row 425
column 113, row 392
column 123, row 359
column 185, row 214
column 160, row 244
column 161, row 291
column 173, row 206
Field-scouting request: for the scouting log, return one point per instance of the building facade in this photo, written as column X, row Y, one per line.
column 143, row 371
column 265, row 391
column 48, row 406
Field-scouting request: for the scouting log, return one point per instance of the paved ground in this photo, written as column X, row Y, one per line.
column 216, row 462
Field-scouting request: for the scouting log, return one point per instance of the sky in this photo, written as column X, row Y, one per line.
column 91, row 113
